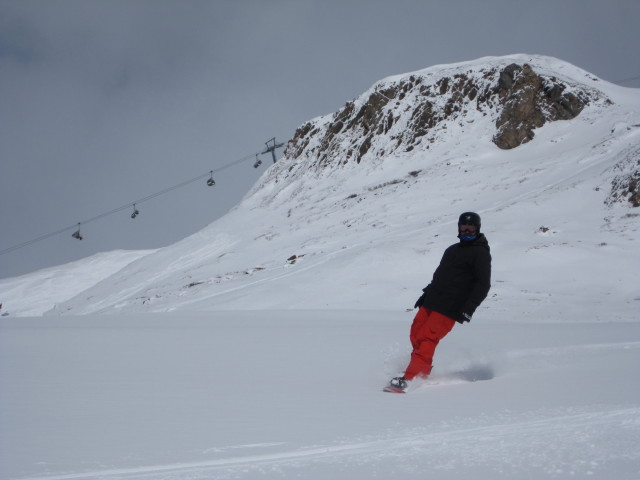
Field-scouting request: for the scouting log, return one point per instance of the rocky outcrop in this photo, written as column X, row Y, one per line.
column 528, row 101
column 415, row 111
column 625, row 187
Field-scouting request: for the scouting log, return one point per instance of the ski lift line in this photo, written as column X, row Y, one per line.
column 126, row 206
column 118, row 209
column 144, row 199
column 637, row 77
column 38, row 239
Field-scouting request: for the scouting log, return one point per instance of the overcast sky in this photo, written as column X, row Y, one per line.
column 104, row 102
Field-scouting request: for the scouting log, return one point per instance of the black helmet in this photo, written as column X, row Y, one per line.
column 470, row 218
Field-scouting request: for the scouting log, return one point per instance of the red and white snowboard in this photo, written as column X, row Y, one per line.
column 393, row 389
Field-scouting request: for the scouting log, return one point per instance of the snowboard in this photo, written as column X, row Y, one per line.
column 474, row 373
column 393, row 390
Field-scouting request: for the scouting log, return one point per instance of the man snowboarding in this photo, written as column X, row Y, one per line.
column 460, row 283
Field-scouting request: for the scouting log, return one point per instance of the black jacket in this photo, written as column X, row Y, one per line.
column 461, row 282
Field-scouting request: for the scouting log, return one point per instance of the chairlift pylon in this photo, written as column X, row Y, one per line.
column 271, row 147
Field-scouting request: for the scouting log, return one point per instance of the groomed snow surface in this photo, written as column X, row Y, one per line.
column 297, row 394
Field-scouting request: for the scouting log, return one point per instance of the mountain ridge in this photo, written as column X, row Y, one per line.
column 321, row 141
column 519, row 98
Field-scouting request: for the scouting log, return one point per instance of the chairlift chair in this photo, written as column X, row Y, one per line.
column 76, row 234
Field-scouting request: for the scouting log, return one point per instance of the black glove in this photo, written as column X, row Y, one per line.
column 419, row 301
column 463, row 317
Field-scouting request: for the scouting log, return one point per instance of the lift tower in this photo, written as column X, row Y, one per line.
column 271, row 147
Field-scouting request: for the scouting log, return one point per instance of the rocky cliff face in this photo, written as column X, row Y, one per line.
column 526, row 101
column 625, row 187
column 414, row 111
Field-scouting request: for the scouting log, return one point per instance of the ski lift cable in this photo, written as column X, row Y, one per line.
column 624, row 80
column 126, row 206
column 144, row 199
column 38, row 239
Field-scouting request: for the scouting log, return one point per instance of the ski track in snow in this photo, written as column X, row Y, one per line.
column 524, row 444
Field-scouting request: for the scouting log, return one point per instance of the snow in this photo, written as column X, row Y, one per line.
column 288, row 394
column 35, row 293
column 258, row 347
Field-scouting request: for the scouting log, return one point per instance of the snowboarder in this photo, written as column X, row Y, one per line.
column 460, row 283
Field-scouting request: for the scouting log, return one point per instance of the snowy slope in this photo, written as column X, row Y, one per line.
column 35, row 293
column 382, row 224
column 297, row 394
column 258, row 347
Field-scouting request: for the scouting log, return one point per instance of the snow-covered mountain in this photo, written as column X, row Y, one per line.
column 257, row 348
column 366, row 199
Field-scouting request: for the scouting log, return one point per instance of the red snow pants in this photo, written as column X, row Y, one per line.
column 427, row 330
